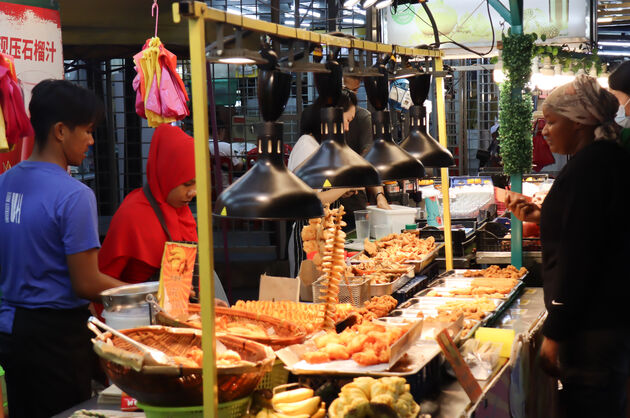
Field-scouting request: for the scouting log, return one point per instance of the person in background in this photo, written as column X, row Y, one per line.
column 619, row 85
column 48, row 258
column 133, row 247
column 231, row 162
column 582, row 277
column 359, row 134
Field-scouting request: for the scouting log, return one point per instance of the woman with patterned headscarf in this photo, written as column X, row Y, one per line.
column 585, row 279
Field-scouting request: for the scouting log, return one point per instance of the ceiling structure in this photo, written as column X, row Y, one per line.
column 613, row 28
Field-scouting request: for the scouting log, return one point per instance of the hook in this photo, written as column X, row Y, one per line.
column 155, row 11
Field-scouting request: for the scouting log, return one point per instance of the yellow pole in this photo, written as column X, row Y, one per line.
column 197, row 37
column 439, row 92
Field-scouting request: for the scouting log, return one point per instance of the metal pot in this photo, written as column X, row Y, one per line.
column 129, row 296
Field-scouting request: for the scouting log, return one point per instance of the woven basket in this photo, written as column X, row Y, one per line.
column 286, row 333
column 177, row 386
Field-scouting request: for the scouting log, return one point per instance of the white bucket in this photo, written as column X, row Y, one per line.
column 128, row 318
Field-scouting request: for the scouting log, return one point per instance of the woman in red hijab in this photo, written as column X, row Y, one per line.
column 132, row 250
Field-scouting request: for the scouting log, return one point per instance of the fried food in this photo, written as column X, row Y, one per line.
column 494, row 271
column 358, row 394
column 365, row 343
column 377, row 307
column 333, row 262
column 480, row 287
column 307, row 315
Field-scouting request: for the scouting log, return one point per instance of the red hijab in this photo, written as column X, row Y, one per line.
column 135, row 232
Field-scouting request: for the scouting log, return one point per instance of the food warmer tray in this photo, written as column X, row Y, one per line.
column 459, row 273
column 447, row 284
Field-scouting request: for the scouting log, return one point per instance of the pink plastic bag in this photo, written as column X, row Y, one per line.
column 154, row 103
column 139, row 99
column 172, row 106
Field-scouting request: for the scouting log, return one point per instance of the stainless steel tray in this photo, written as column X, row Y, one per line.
column 459, row 273
column 427, row 259
column 446, row 285
column 391, row 287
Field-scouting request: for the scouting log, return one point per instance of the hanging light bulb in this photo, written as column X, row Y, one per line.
column 380, row 4
column 217, row 53
column 349, row 4
column 419, row 143
column 366, row 4
column 498, row 74
column 335, row 164
column 391, row 161
column 268, row 190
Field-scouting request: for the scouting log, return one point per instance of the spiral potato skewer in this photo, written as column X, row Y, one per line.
column 333, row 264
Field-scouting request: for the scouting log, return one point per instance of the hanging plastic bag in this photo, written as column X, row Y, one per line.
column 159, row 87
column 16, row 123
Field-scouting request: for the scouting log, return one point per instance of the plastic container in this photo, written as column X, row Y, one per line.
column 128, row 318
column 278, row 375
column 396, row 218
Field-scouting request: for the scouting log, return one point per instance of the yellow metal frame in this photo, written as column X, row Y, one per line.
column 439, row 93
column 196, row 33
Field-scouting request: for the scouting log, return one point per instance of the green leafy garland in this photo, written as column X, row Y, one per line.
column 515, row 105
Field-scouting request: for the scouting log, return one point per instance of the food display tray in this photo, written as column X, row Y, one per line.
column 408, row 345
column 444, row 285
column 391, row 287
column 459, row 273
column 427, row 259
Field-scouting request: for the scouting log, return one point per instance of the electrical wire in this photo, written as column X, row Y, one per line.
column 451, row 41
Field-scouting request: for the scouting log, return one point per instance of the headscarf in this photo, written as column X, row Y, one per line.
column 135, row 231
column 584, row 101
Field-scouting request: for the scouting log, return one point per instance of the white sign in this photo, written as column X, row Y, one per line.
column 32, row 35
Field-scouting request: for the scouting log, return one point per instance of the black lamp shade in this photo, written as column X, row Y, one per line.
column 274, row 88
column 268, row 190
column 377, row 88
column 335, row 164
column 391, row 161
column 422, row 145
column 419, row 86
column 329, row 84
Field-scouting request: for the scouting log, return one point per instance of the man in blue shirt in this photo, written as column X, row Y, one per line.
column 48, row 258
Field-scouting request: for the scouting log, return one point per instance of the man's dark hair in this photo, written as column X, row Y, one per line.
column 55, row 101
column 619, row 79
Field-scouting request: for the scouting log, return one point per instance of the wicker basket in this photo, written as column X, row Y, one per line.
column 357, row 293
column 178, row 386
column 286, row 333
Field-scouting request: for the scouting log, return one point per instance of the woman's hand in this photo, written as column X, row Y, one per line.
column 381, row 202
column 549, row 357
column 522, row 209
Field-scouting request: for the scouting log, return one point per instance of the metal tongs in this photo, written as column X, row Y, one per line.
column 153, row 354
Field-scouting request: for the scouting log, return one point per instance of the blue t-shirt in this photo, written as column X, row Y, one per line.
column 46, row 215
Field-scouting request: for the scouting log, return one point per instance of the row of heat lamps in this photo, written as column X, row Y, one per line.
column 269, row 191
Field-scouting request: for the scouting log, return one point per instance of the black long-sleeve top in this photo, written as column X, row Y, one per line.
column 585, row 235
